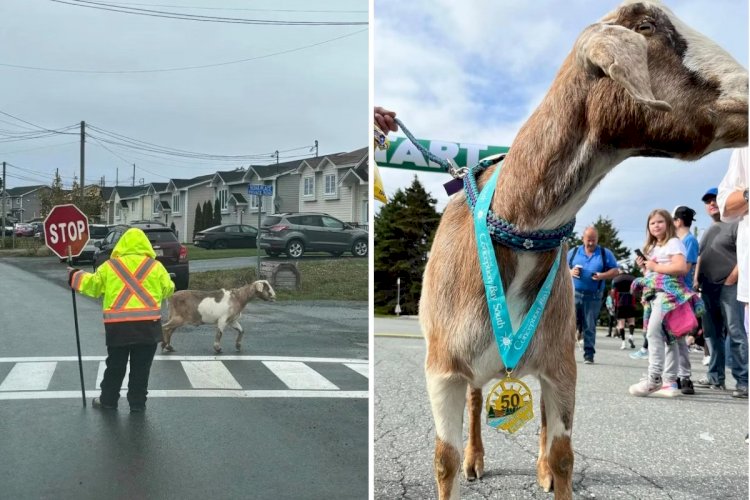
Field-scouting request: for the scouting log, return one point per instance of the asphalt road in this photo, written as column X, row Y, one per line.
column 285, row 418
column 689, row 447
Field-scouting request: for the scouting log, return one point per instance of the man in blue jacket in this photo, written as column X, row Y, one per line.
column 590, row 265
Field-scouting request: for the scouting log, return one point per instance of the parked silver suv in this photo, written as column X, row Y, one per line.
column 299, row 232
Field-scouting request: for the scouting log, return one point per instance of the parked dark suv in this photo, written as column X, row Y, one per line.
column 298, row 232
column 168, row 249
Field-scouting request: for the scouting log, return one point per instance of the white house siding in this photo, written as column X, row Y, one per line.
column 287, row 192
column 194, row 196
column 339, row 206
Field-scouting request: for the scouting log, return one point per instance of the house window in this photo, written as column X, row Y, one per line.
column 177, row 203
column 118, row 212
column 309, row 186
column 253, row 201
column 155, row 203
column 223, row 198
column 330, row 180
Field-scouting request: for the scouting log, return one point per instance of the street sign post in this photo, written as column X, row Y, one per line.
column 259, row 190
column 66, row 232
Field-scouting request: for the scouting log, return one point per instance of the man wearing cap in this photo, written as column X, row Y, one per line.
column 717, row 275
column 683, row 218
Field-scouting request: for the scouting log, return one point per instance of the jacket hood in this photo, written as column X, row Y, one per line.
column 133, row 242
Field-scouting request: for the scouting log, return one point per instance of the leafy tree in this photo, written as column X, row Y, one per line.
column 208, row 214
column 404, row 229
column 217, row 213
column 198, row 220
column 607, row 238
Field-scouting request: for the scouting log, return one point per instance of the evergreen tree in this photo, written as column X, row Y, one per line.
column 607, row 239
column 198, row 224
column 404, row 229
column 217, row 213
column 208, row 214
column 56, row 195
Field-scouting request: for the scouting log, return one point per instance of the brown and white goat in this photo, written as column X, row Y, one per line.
column 220, row 307
column 638, row 83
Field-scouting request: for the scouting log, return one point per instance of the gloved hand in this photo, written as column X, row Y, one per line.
column 71, row 272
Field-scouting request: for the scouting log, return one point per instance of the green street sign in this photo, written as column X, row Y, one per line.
column 403, row 154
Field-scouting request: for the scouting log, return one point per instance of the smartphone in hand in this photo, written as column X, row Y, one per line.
column 640, row 254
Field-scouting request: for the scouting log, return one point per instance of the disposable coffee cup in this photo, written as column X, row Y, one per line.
column 579, row 267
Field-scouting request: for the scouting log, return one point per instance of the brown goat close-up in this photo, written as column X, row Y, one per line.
column 637, row 83
column 218, row 307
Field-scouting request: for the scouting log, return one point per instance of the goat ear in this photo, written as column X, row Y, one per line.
column 622, row 55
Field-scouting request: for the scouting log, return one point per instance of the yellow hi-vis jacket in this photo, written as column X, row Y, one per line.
column 132, row 281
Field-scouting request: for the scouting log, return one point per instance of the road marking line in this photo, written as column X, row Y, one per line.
column 363, row 370
column 209, row 375
column 100, row 375
column 195, row 393
column 299, row 376
column 169, row 357
column 29, row 377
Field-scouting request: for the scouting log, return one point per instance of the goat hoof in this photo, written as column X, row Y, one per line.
column 238, row 347
column 544, row 476
column 217, row 349
column 167, row 348
column 473, row 467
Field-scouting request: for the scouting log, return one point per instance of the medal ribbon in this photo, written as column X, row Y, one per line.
column 511, row 344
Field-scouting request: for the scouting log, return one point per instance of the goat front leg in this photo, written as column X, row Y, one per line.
column 166, row 338
column 220, row 326
column 555, row 462
column 447, row 395
column 238, row 343
column 474, row 452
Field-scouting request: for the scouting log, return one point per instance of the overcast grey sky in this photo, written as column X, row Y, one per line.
column 473, row 72
column 281, row 102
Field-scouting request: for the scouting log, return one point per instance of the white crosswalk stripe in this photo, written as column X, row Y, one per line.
column 100, row 376
column 299, row 376
column 209, row 375
column 361, row 368
column 29, row 376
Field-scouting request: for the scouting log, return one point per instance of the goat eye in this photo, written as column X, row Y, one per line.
column 645, row 28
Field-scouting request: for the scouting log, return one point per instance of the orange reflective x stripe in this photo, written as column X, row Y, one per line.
column 132, row 285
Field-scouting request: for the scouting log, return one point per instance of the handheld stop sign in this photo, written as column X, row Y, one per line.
column 66, row 232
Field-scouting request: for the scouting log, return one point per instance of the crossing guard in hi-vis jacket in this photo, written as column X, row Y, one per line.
column 133, row 284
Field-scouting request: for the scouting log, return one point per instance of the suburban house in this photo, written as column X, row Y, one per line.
column 23, row 202
column 128, row 203
column 337, row 185
column 186, row 194
column 237, row 206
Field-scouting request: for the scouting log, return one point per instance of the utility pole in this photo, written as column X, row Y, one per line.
column 83, row 156
column 277, row 156
column 133, row 174
column 117, row 177
column 3, row 204
column 316, row 148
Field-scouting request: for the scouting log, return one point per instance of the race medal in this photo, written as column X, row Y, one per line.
column 509, row 405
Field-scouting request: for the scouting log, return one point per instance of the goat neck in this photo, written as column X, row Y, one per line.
column 245, row 293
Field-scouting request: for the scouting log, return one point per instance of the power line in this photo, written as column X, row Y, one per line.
column 40, row 147
column 241, row 8
column 181, row 68
column 193, row 17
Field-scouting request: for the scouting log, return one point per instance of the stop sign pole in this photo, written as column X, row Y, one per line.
column 66, row 232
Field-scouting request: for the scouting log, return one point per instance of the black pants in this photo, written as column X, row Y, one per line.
column 141, row 356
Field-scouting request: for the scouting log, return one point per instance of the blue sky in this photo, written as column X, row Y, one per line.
column 474, row 71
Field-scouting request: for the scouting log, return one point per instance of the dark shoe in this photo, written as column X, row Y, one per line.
column 632, row 345
column 588, row 361
column 717, row 387
column 740, row 392
column 137, row 409
column 96, row 403
column 686, row 385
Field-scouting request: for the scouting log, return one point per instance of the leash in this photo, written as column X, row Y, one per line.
column 446, row 164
